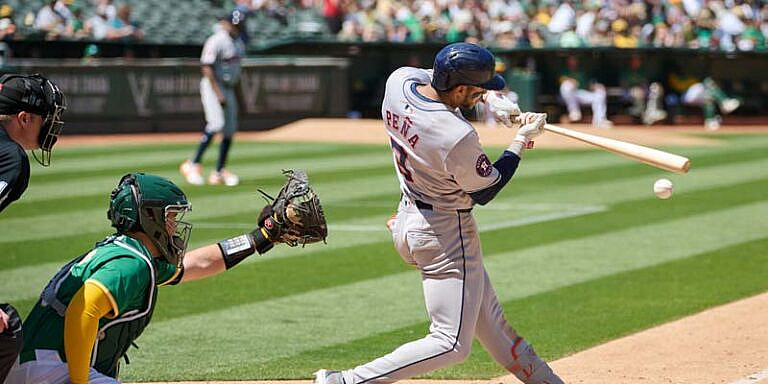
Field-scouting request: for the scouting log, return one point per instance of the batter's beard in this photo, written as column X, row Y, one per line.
column 468, row 104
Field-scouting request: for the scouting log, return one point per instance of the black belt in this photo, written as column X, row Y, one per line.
column 428, row 207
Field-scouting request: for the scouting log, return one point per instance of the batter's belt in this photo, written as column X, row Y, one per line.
column 429, row 207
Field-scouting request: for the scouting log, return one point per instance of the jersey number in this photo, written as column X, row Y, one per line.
column 401, row 158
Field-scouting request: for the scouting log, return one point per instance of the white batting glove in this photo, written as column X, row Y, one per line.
column 531, row 127
column 503, row 109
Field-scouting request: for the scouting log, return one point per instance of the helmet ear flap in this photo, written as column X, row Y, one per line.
column 124, row 204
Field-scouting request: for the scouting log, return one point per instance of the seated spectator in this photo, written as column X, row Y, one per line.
column 7, row 26
column 97, row 26
column 122, row 26
column 622, row 37
column 106, row 8
column 76, row 26
column 50, row 21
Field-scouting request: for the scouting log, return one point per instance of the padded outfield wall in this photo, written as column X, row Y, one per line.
column 162, row 95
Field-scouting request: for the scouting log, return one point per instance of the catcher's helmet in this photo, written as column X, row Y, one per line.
column 465, row 64
column 143, row 203
column 38, row 95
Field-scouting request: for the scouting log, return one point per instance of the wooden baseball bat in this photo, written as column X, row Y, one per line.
column 654, row 157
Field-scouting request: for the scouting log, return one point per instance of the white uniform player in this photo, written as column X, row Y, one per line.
column 443, row 172
column 220, row 61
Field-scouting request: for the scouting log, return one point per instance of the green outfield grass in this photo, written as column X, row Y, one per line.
column 579, row 250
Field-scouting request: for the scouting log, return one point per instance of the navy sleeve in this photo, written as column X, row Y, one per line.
column 506, row 165
column 14, row 173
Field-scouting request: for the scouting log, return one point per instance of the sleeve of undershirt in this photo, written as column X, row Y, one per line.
column 81, row 324
column 9, row 172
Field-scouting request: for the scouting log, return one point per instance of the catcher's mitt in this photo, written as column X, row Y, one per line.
column 295, row 216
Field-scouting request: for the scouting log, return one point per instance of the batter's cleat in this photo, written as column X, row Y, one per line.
column 192, row 172
column 223, row 177
column 325, row 376
column 729, row 105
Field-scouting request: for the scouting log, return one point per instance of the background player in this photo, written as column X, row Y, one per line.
column 443, row 172
column 219, row 86
column 30, row 118
column 111, row 290
column 573, row 90
column 705, row 94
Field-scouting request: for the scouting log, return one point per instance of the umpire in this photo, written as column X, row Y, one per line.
column 30, row 118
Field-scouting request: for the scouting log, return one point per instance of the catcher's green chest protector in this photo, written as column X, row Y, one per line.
column 116, row 336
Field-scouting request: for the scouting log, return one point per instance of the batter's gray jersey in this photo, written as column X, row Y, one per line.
column 440, row 163
column 437, row 151
column 223, row 53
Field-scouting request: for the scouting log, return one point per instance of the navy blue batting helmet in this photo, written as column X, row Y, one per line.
column 465, row 64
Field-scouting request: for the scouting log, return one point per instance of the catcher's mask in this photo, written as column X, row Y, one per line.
column 35, row 94
column 155, row 206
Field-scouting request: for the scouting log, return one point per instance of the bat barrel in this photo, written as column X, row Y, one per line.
column 654, row 157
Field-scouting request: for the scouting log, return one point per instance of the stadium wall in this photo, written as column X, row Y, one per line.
column 162, row 95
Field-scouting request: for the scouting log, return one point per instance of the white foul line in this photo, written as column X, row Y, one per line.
column 753, row 378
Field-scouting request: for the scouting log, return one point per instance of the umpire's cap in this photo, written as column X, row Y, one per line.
column 465, row 64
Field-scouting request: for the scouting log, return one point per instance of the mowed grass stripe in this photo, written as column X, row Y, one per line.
column 49, row 225
column 558, row 322
column 168, row 154
column 249, row 166
column 249, row 147
column 624, row 215
column 344, row 313
column 106, row 181
column 271, row 182
column 93, row 220
column 53, row 198
column 349, row 245
column 598, row 168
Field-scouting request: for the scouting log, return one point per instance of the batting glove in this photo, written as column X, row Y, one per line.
column 532, row 123
column 503, row 109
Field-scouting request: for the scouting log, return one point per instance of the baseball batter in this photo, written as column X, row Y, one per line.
column 220, row 61
column 443, row 173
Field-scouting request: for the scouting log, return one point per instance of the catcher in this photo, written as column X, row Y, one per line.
column 99, row 303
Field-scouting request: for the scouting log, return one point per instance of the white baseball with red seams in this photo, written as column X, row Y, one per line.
column 662, row 188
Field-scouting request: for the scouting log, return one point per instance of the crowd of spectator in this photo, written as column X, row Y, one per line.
column 716, row 24
column 66, row 19
column 727, row 25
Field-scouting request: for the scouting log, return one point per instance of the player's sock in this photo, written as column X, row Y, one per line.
column 204, row 143
column 223, row 152
column 709, row 110
column 714, row 91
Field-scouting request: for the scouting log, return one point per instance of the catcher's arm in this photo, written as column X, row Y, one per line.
column 294, row 217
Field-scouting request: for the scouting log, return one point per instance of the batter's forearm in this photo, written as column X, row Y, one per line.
column 506, row 165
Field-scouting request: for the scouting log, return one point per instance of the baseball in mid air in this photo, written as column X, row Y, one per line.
column 662, row 188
